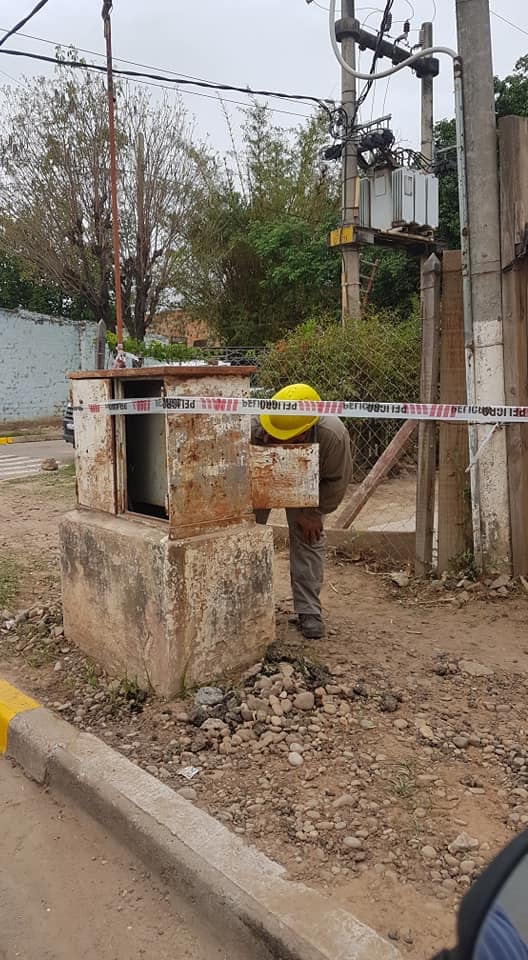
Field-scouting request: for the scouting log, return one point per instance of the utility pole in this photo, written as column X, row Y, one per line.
column 427, row 98
column 107, row 8
column 483, row 270
column 350, row 283
column 427, row 120
column 140, row 213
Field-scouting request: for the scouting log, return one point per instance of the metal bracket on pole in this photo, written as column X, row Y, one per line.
column 349, row 27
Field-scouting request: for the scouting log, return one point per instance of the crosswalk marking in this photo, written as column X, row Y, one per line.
column 13, row 467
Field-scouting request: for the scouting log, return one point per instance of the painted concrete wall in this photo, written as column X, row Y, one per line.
column 36, row 352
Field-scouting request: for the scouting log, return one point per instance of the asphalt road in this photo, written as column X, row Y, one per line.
column 70, row 892
column 24, row 459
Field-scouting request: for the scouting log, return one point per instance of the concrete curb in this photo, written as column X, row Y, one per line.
column 33, row 438
column 37, row 439
column 245, row 895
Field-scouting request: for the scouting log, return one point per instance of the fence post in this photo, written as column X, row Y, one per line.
column 454, row 503
column 100, row 346
column 427, row 432
column 513, row 138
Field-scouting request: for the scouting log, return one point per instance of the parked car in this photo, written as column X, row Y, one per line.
column 67, row 425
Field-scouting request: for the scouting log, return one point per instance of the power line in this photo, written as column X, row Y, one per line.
column 211, row 96
column 385, row 25
column 509, row 22
column 135, row 63
column 21, row 23
column 177, row 81
column 94, row 53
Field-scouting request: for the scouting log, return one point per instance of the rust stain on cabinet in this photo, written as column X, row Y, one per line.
column 284, row 476
column 207, row 458
column 94, row 443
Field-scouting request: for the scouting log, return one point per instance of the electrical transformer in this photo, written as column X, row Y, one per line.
column 399, row 197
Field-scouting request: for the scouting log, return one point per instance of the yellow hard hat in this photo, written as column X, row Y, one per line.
column 281, row 426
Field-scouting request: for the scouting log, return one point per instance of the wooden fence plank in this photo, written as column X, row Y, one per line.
column 427, row 432
column 454, row 506
column 513, row 135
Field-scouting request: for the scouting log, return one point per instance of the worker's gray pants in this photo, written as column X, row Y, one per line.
column 306, row 565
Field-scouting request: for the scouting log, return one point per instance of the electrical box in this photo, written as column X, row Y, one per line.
column 420, row 198
column 167, row 578
column 381, row 199
column 364, row 202
column 398, row 198
column 402, row 196
column 433, row 202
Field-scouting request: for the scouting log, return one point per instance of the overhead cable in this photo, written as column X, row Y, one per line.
column 21, row 23
column 175, row 81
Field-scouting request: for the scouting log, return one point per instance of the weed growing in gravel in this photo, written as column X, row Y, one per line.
column 10, row 571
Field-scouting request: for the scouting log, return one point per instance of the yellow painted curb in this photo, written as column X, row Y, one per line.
column 12, row 702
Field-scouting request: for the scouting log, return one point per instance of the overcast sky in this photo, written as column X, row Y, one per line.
column 266, row 44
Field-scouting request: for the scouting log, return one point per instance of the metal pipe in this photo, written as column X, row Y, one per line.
column 107, row 6
column 469, row 343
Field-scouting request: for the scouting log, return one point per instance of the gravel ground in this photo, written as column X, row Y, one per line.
column 385, row 765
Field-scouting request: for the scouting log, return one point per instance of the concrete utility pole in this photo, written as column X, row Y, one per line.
column 350, row 284
column 474, row 45
column 427, row 98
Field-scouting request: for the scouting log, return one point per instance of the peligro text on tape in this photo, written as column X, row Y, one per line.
column 244, row 406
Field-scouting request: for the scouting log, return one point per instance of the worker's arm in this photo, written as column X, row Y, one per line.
column 335, row 469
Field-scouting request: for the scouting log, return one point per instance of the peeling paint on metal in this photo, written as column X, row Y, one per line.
column 209, row 482
column 284, row 476
column 94, row 448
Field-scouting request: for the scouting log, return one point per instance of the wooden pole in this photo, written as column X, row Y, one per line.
column 427, row 432
column 454, row 493
column 107, row 7
column 513, row 137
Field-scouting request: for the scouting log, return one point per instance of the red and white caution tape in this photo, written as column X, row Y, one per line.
column 243, row 406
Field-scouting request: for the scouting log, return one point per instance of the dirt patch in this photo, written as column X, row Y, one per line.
column 390, row 790
column 43, row 429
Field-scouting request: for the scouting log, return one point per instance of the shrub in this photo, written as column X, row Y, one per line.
column 373, row 359
column 158, row 351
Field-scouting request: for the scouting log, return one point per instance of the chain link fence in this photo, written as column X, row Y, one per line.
column 374, row 361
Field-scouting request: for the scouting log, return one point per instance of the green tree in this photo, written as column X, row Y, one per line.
column 511, row 99
column 511, row 94
column 396, row 285
column 19, row 288
column 55, row 211
column 449, row 228
column 257, row 261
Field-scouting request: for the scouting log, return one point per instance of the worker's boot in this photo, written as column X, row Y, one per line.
column 311, row 626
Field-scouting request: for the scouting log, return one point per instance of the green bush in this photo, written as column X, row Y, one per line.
column 172, row 352
column 373, row 359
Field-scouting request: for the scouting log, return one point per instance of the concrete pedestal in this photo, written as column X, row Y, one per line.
column 166, row 613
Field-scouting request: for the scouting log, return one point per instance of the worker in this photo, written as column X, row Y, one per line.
column 307, row 545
